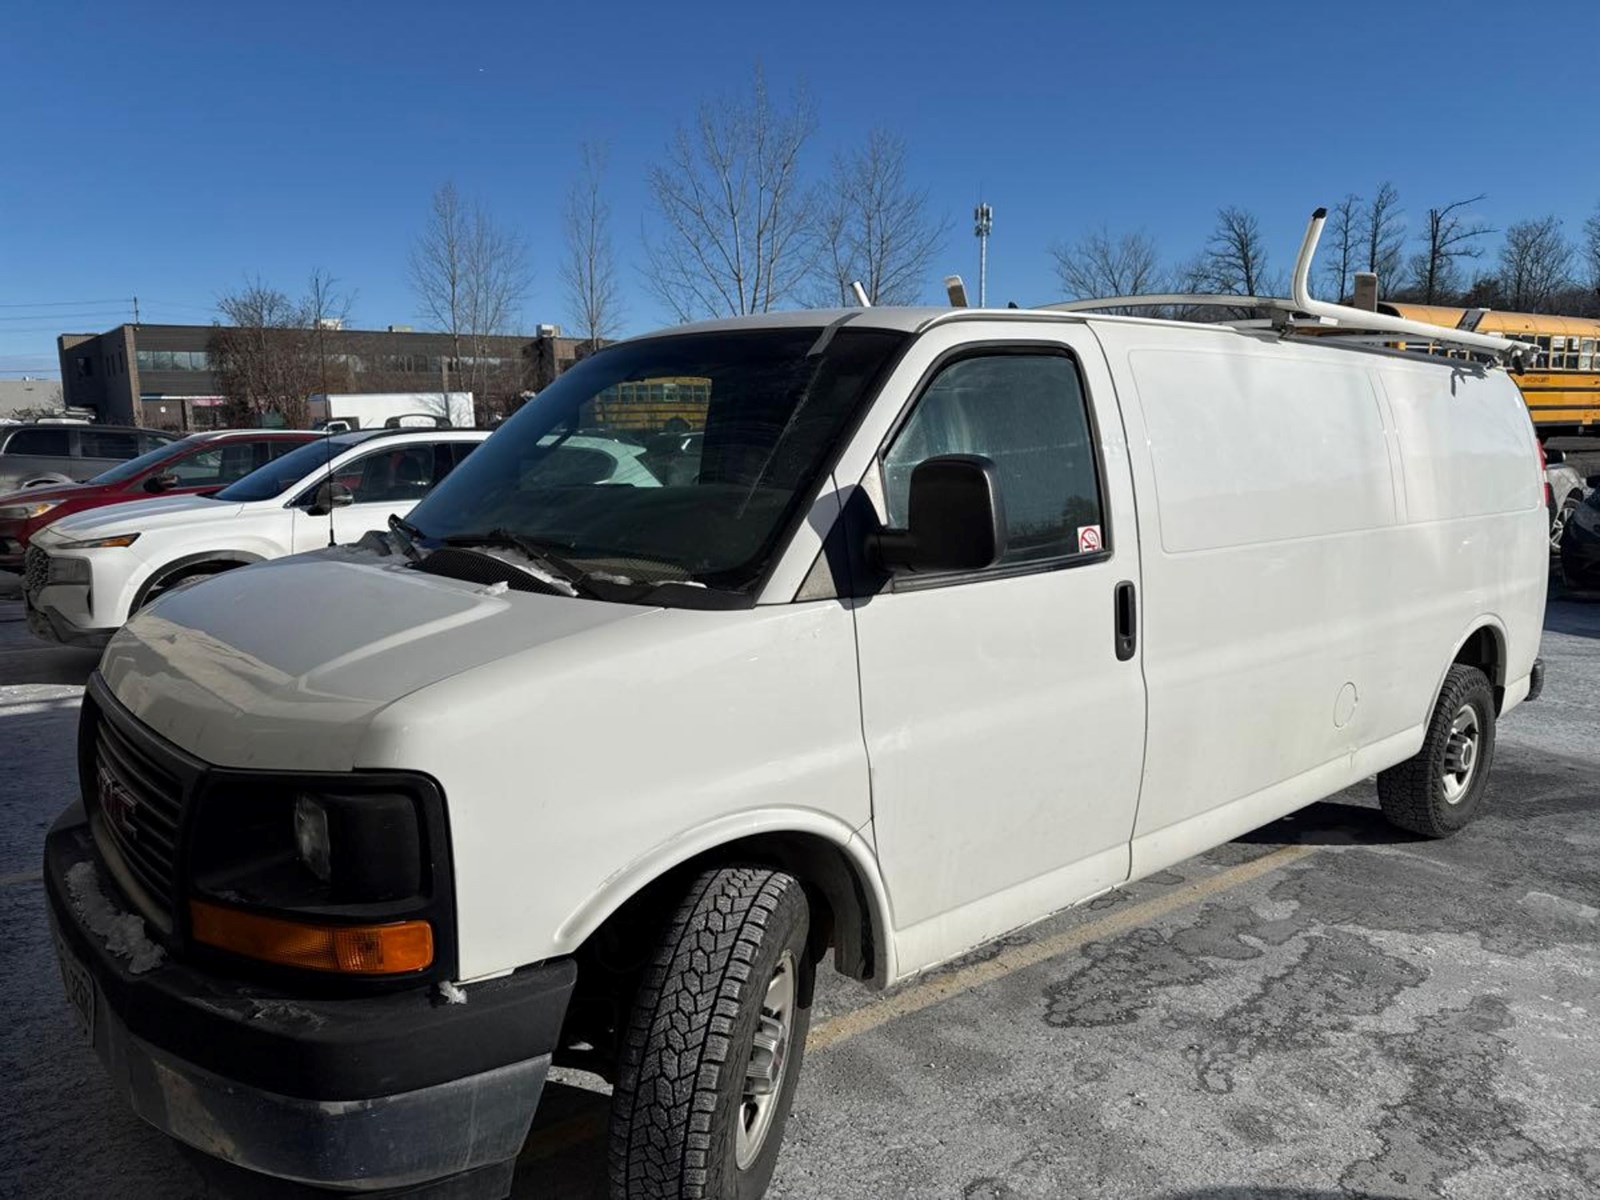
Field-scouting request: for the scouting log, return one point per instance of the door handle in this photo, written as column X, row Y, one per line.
column 1126, row 606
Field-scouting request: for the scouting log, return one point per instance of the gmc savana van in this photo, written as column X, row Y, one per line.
column 944, row 620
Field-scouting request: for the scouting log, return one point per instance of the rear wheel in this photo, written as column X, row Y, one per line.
column 714, row 1046
column 1441, row 789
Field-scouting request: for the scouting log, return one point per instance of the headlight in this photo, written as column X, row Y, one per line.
column 348, row 875
column 27, row 512
column 119, row 539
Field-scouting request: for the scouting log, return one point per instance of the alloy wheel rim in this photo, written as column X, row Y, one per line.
column 768, row 1063
column 1462, row 750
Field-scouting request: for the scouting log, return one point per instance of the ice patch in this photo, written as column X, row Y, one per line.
column 496, row 588
column 123, row 933
column 1560, row 908
column 451, row 993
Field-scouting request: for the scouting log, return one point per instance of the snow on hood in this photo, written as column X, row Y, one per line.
column 284, row 664
column 136, row 516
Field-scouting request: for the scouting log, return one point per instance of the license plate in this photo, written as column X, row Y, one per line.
column 79, row 985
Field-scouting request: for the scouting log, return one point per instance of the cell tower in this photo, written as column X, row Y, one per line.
column 982, row 223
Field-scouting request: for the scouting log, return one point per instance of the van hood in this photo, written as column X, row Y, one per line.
column 136, row 516
column 284, row 665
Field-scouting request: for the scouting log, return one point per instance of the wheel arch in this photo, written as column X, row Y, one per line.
column 223, row 559
column 834, row 864
column 1483, row 647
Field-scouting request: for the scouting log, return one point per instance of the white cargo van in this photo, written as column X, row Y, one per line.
column 947, row 620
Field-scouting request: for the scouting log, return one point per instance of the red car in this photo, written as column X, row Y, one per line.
column 202, row 462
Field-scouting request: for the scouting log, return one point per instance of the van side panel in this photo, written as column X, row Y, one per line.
column 1297, row 617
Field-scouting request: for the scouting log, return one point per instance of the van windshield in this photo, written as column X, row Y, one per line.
column 679, row 459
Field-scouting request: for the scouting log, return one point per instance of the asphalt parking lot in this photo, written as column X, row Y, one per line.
column 1324, row 1008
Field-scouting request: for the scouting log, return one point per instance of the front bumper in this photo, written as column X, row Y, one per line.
column 47, row 623
column 364, row 1094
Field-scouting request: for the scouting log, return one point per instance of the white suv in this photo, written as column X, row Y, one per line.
column 86, row 574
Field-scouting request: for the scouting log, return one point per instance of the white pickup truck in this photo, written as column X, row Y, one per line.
column 956, row 618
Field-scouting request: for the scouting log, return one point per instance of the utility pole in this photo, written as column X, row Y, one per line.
column 983, row 222
column 136, row 310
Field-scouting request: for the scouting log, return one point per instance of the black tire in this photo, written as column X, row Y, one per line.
column 181, row 578
column 1416, row 795
column 680, row 1099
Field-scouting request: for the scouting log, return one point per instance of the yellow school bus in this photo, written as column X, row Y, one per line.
column 1562, row 386
column 671, row 405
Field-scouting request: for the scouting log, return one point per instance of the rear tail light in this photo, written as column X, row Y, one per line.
column 1544, row 480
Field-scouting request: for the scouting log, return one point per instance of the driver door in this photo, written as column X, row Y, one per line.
column 1003, row 709
column 388, row 479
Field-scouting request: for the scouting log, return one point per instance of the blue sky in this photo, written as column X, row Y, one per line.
column 166, row 150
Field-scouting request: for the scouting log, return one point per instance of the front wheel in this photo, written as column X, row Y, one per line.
column 714, row 1045
column 1439, row 790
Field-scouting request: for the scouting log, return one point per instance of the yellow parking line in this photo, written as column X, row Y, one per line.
column 935, row 988
column 575, row 1131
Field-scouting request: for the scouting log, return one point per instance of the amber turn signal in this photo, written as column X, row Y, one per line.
column 390, row 949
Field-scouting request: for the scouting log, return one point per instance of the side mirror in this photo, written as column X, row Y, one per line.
column 161, row 483
column 956, row 518
column 329, row 496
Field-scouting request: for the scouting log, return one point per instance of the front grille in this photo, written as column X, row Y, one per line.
column 35, row 569
column 138, row 809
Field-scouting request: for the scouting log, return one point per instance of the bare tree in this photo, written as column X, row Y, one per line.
column 1535, row 263
column 1450, row 235
column 1344, row 244
column 265, row 356
column 1591, row 249
column 1099, row 264
column 589, row 270
column 1235, row 257
column 327, row 308
column 470, row 275
column 1383, row 236
column 875, row 227
column 735, row 218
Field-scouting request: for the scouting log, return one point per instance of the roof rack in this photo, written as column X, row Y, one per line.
column 1302, row 310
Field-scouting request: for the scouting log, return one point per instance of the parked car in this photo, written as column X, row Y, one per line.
column 1568, row 487
column 199, row 463
column 959, row 618
column 54, row 452
column 1580, row 544
column 85, row 574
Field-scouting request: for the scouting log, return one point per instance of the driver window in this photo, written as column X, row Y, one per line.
column 1027, row 413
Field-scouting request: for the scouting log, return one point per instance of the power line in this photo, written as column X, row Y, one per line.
column 122, row 300
column 71, row 316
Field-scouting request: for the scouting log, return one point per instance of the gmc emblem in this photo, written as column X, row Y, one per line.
column 117, row 804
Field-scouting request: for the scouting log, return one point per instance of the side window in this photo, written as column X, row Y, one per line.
column 47, row 443
column 198, row 470
column 107, row 443
column 1027, row 413
column 276, row 448
column 395, row 474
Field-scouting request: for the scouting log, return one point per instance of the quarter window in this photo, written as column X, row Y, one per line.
column 1027, row 413
column 50, row 443
column 104, row 443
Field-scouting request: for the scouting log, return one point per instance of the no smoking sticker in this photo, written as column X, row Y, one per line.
column 1088, row 538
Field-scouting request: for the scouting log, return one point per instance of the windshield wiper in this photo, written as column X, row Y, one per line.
column 407, row 535
column 535, row 549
